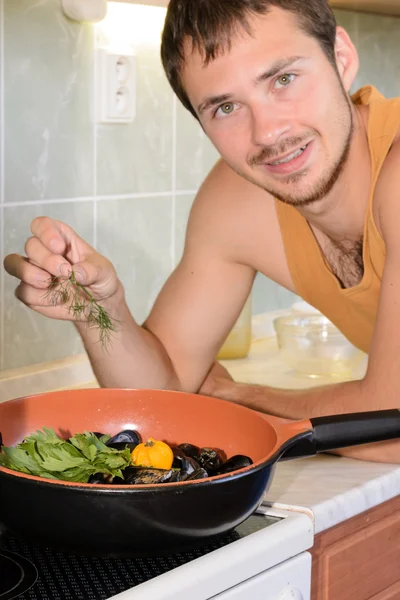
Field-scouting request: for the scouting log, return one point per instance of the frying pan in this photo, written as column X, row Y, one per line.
column 152, row 519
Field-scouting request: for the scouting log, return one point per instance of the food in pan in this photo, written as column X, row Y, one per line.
column 122, row 459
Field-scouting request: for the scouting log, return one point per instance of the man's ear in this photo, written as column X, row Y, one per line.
column 347, row 60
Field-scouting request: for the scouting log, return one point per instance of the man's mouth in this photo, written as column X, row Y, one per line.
column 288, row 157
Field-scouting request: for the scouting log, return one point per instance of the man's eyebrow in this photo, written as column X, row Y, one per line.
column 213, row 101
column 277, row 66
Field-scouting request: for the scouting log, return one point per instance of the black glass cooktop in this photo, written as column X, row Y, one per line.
column 31, row 572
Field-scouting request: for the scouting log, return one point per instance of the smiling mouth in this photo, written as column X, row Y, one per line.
column 288, row 157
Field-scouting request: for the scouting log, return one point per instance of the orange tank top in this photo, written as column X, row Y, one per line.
column 352, row 310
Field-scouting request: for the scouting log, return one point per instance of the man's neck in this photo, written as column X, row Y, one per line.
column 341, row 214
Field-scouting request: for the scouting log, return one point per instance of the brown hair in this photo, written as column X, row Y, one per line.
column 211, row 24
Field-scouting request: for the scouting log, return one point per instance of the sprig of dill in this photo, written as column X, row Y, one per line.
column 67, row 290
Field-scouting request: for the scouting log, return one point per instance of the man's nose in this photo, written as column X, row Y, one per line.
column 268, row 128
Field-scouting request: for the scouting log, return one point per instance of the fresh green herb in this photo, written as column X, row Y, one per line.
column 67, row 290
column 44, row 454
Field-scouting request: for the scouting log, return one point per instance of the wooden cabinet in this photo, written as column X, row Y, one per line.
column 382, row 7
column 360, row 558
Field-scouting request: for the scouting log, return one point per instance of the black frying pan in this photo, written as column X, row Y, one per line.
column 151, row 519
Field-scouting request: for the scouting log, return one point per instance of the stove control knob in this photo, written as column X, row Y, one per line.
column 291, row 593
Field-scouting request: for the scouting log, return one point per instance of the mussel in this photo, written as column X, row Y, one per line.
column 183, row 464
column 124, row 438
column 179, row 455
column 101, row 478
column 198, row 474
column 138, row 475
column 122, row 445
column 210, row 459
column 190, row 450
column 239, row 461
column 189, row 466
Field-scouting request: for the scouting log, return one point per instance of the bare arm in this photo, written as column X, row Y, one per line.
column 197, row 307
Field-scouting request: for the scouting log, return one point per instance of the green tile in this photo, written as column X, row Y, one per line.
column 136, row 235
column 48, row 81
column 136, row 158
column 348, row 20
column 29, row 337
column 268, row 295
column 378, row 46
column 195, row 155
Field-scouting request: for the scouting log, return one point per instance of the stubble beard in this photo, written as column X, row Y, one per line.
column 324, row 185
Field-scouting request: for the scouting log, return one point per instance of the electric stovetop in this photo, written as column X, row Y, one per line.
column 30, row 572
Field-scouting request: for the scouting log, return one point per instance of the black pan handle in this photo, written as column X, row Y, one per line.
column 341, row 431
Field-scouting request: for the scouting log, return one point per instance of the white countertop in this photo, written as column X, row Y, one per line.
column 334, row 488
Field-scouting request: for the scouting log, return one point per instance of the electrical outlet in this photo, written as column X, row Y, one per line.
column 116, row 88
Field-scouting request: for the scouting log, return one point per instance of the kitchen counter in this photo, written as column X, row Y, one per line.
column 333, row 488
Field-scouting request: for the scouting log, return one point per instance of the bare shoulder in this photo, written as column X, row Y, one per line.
column 235, row 217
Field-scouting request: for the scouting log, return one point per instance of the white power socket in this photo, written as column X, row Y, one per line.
column 116, row 87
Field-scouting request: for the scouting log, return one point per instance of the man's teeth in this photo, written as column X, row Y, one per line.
column 290, row 157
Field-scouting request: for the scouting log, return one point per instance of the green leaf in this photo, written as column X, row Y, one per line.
column 104, row 438
column 19, row 458
column 45, row 454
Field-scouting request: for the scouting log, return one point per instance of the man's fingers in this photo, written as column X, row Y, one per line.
column 59, row 238
column 41, row 302
column 21, row 268
column 43, row 258
column 48, row 231
column 88, row 272
column 32, row 296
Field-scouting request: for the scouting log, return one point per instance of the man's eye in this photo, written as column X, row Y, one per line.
column 226, row 109
column 284, row 80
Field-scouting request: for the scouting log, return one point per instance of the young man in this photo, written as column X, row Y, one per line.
column 306, row 193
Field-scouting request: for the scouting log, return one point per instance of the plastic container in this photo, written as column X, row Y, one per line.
column 238, row 342
column 314, row 347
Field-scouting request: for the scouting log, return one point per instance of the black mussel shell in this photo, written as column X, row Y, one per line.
column 190, row 450
column 234, row 463
column 138, row 475
column 182, row 461
column 210, row 459
column 127, row 436
column 179, row 455
column 188, row 466
column 101, row 478
column 1, row 440
column 122, row 445
column 175, row 476
column 197, row 474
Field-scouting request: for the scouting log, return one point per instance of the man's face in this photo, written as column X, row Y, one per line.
column 275, row 108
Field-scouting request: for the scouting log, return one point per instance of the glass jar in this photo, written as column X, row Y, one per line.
column 238, row 342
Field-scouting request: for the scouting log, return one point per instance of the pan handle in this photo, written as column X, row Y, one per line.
column 341, row 431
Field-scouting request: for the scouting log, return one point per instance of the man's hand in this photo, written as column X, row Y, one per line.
column 55, row 250
column 217, row 382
